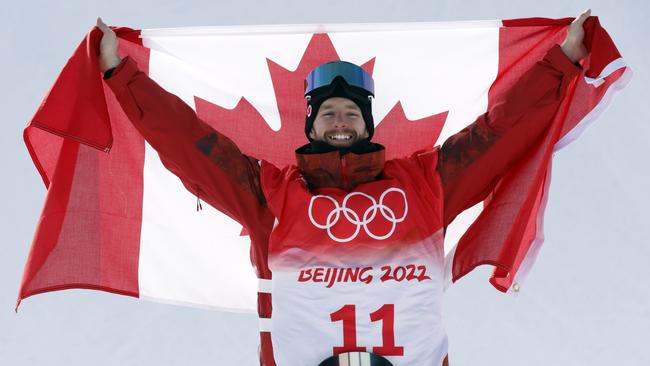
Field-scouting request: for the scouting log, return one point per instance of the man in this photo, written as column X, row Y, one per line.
column 352, row 242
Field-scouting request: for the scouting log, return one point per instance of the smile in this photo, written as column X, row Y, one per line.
column 339, row 137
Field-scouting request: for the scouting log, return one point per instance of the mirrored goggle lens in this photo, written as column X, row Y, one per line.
column 351, row 73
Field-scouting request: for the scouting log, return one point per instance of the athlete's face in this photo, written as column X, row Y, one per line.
column 339, row 122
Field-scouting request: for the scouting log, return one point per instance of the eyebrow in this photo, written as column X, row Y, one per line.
column 348, row 106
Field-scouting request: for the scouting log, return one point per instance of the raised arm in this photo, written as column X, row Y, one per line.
column 474, row 159
column 209, row 164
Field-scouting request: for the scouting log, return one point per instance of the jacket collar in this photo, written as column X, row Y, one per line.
column 324, row 166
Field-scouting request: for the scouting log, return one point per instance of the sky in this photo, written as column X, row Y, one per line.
column 586, row 302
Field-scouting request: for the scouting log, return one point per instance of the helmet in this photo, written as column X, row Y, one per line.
column 339, row 79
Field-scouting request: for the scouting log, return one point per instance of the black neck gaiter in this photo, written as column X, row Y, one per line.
column 320, row 147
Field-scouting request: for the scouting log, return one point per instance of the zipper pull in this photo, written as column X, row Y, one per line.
column 344, row 173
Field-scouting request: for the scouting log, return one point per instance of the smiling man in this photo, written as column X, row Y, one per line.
column 351, row 243
column 339, row 122
column 339, row 96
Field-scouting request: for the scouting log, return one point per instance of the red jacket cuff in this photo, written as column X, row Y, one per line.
column 556, row 57
column 122, row 74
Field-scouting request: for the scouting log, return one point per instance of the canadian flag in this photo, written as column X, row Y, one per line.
column 116, row 220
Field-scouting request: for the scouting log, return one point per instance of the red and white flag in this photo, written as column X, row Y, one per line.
column 116, row 220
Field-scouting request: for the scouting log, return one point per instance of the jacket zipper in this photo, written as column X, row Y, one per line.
column 344, row 174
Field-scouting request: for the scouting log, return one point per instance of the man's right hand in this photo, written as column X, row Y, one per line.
column 573, row 46
column 108, row 57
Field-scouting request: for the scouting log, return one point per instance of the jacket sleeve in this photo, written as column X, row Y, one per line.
column 208, row 163
column 473, row 160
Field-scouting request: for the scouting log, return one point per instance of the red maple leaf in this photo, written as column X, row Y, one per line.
column 248, row 129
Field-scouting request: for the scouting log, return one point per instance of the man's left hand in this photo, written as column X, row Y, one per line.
column 572, row 46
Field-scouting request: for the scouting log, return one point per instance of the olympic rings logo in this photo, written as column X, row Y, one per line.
column 354, row 218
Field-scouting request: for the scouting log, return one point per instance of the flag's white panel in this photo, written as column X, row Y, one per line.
column 419, row 65
column 189, row 257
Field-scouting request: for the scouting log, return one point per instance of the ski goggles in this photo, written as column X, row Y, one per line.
column 353, row 75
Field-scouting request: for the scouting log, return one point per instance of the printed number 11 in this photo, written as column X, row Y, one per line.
column 386, row 314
